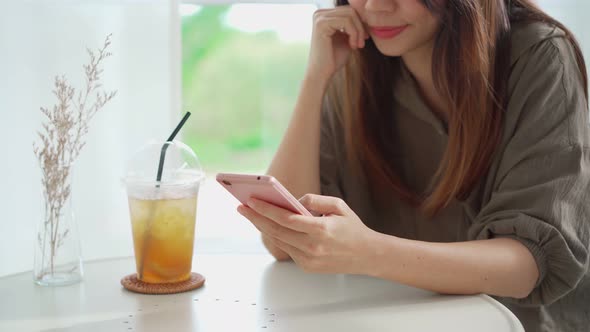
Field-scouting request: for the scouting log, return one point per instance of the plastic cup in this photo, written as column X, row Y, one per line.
column 163, row 213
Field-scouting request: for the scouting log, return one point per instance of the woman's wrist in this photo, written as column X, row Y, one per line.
column 373, row 253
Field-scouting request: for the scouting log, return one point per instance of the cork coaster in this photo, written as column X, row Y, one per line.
column 133, row 284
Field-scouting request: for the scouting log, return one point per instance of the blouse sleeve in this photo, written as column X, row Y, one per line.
column 540, row 190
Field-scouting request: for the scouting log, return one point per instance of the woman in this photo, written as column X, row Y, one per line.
column 446, row 144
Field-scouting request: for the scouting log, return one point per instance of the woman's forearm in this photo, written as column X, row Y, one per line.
column 296, row 162
column 501, row 267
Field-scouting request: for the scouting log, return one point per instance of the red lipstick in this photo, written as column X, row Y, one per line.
column 387, row 32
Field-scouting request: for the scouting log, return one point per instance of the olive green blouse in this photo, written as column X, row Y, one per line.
column 536, row 191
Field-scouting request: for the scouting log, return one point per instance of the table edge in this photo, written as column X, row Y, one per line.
column 499, row 306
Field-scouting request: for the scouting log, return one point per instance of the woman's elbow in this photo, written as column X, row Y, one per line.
column 521, row 274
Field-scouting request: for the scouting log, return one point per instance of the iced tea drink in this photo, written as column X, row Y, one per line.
column 163, row 225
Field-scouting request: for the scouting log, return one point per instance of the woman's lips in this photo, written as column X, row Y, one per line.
column 387, row 32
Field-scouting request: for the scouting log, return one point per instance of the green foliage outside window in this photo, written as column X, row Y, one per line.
column 241, row 88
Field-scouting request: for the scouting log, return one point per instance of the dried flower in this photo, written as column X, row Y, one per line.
column 62, row 139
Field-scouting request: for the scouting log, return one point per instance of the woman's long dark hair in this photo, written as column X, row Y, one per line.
column 471, row 53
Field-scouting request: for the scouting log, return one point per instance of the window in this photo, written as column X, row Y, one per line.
column 242, row 64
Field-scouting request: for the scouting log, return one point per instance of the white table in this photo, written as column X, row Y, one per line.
column 243, row 293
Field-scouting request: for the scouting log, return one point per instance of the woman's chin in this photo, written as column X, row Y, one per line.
column 388, row 49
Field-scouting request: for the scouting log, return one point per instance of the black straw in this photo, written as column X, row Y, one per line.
column 165, row 146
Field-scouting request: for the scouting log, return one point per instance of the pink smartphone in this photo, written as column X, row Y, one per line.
column 263, row 187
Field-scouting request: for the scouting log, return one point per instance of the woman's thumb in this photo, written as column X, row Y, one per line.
column 323, row 205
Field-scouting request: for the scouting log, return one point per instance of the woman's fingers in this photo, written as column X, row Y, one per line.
column 273, row 229
column 355, row 19
column 330, row 26
column 342, row 19
column 325, row 205
column 286, row 218
column 335, row 33
column 361, row 33
column 294, row 252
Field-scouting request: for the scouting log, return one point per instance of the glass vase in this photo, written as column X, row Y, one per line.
column 58, row 259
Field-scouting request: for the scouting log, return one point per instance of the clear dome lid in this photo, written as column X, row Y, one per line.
column 164, row 163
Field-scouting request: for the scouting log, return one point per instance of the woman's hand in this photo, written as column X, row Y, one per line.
column 336, row 32
column 337, row 242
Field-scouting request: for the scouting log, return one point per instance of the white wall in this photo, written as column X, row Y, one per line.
column 39, row 39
